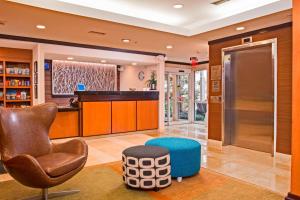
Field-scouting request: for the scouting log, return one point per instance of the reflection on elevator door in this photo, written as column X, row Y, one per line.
column 249, row 98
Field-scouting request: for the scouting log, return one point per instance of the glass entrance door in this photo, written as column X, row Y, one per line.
column 176, row 98
column 182, row 84
column 200, row 96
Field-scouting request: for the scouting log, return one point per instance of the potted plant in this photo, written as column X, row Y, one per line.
column 151, row 83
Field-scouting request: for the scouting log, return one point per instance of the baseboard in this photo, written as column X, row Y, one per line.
column 285, row 158
column 291, row 196
column 214, row 144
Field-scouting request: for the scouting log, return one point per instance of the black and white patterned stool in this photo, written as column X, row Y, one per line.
column 146, row 167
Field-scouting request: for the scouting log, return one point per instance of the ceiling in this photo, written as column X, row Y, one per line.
column 21, row 20
column 64, row 54
column 196, row 16
column 53, row 56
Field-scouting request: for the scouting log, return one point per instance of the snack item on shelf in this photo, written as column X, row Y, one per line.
column 1, row 68
column 18, row 95
column 17, row 81
column 17, row 69
column 23, row 95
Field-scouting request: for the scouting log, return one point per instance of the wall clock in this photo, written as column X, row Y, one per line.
column 141, row 75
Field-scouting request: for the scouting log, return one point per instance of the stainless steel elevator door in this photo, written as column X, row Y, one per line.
column 249, row 98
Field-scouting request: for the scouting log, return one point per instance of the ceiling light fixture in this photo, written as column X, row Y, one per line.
column 103, row 61
column 70, row 58
column 241, row 28
column 169, row 47
column 134, row 64
column 178, row 6
column 126, row 40
column 39, row 26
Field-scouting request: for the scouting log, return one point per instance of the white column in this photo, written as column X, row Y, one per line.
column 38, row 55
column 192, row 96
column 161, row 89
column 175, row 98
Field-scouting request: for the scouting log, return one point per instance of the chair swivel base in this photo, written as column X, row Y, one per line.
column 45, row 195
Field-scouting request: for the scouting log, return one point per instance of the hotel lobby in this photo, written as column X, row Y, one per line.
column 159, row 100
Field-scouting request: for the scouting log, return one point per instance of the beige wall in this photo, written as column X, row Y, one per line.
column 129, row 77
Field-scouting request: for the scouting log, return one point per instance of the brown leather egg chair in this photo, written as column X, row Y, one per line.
column 29, row 156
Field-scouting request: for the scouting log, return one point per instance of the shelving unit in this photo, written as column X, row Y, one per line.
column 15, row 83
column 2, row 64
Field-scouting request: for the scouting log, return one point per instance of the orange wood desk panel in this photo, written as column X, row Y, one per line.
column 147, row 115
column 96, row 118
column 65, row 125
column 123, row 116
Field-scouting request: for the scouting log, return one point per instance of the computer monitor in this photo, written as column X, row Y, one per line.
column 80, row 87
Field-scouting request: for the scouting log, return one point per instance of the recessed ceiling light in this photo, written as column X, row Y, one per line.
column 70, row 58
column 126, row 40
column 169, row 47
column 241, row 28
column 134, row 64
column 178, row 6
column 103, row 61
column 39, row 26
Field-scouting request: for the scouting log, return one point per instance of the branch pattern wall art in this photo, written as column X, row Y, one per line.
column 67, row 74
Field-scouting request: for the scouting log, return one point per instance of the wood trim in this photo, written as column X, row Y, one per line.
column 295, row 169
column 184, row 63
column 291, row 196
column 247, row 34
column 203, row 62
column 72, row 44
column 177, row 63
column 80, row 122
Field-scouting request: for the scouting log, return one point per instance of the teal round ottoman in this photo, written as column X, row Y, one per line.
column 185, row 155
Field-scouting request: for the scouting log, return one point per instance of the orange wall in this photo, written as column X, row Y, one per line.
column 295, row 187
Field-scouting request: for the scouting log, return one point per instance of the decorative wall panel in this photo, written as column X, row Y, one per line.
column 67, row 74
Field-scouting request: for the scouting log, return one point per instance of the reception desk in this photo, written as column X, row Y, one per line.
column 109, row 112
column 66, row 123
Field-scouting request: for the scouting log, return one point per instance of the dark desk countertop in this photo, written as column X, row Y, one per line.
column 91, row 96
column 67, row 109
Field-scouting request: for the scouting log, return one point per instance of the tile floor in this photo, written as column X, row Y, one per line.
column 198, row 131
column 251, row 166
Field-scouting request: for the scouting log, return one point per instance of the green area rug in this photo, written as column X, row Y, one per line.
column 104, row 182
